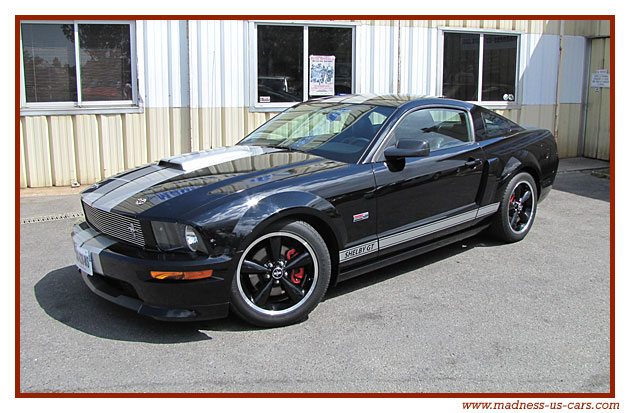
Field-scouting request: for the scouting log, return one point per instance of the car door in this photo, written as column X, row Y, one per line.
column 421, row 198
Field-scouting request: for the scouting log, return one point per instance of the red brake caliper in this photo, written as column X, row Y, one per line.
column 296, row 274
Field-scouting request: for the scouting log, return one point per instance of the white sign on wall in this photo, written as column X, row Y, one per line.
column 322, row 75
column 601, row 78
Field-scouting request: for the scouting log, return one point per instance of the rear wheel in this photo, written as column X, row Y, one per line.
column 281, row 276
column 517, row 209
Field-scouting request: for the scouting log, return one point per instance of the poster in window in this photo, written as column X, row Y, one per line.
column 322, row 75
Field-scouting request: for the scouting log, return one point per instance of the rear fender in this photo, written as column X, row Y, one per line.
column 522, row 160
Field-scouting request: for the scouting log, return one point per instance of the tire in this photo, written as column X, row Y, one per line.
column 281, row 276
column 517, row 209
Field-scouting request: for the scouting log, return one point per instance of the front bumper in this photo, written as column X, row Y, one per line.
column 122, row 276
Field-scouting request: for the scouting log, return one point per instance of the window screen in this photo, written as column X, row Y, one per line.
column 461, row 66
column 283, row 59
column 105, row 62
column 331, row 41
column 49, row 62
column 50, row 72
column 499, row 67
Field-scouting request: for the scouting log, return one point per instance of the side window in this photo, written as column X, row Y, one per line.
column 489, row 125
column 442, row 128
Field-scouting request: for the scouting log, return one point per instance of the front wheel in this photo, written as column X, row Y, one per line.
column 517, row 209
column 281, row 276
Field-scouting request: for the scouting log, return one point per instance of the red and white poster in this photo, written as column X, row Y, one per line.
column 322, row 75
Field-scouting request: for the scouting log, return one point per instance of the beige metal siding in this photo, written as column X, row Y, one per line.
column 597, row 133
column 540, row 116
column 37, row 151
column 111, row 144
column 254, row 120
column 87, row 148
column 158, row 130
column 179, row 120
column 569, row 129
column 61, row 150
column 135, row 140
column 23, row 182
column 588, row 28
column 219, row 127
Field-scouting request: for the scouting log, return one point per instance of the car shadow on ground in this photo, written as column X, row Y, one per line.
column 64, row 297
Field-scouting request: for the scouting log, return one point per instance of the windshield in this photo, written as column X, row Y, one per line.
column 336, row 131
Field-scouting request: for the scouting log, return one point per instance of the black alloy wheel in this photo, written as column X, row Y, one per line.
column 517, row 209
column 281, row 276
column 520, row 207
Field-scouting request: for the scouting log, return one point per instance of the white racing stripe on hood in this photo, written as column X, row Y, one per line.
column 117, row 181
column 115, row 197
column 188, row 162
column 197, row 160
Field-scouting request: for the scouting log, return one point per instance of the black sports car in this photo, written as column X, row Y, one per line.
column 325, row 191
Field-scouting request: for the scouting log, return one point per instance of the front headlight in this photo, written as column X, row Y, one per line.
column 171, row 236
column 192, row 239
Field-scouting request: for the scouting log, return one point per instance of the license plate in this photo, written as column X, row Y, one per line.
column 83, row 259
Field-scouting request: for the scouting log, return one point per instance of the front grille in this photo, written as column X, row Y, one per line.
column 118, row 226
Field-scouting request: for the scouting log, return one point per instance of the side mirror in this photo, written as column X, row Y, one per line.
column 407, row 148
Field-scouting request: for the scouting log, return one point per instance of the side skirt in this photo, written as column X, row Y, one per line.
column 404, row 255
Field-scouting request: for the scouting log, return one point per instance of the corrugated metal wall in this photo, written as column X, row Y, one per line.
column 193, row 83
column 62, row 149
column 219, row 84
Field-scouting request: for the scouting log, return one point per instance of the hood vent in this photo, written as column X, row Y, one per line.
column 203, row 159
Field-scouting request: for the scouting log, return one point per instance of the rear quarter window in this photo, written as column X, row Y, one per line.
column 490, row 125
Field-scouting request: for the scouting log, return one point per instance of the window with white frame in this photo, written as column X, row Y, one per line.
column 480, row 66
column 282, row 65
column 77, row 64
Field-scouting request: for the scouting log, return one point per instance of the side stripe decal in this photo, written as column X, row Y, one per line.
column 427, row 229
column 487, row 210
column 421, row 231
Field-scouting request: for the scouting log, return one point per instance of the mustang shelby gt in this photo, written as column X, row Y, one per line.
column 327, row 190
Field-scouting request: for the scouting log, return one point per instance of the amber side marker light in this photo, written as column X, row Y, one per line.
column 181, row 275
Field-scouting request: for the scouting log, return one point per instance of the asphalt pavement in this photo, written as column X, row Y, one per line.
column 476, row 316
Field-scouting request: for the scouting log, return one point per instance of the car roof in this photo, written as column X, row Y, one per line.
column 393, row 100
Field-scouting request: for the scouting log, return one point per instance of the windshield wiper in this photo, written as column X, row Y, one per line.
column 287, row 147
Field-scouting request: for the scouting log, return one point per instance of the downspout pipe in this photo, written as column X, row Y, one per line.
column 559, row 81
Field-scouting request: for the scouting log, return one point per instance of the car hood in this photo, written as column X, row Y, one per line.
column 176, row 185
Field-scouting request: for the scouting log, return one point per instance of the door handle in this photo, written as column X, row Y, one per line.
column 473, row 163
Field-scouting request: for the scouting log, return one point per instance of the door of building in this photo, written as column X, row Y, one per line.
column 597, row 130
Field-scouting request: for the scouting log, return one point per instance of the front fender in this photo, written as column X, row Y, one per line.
column 277, row 206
